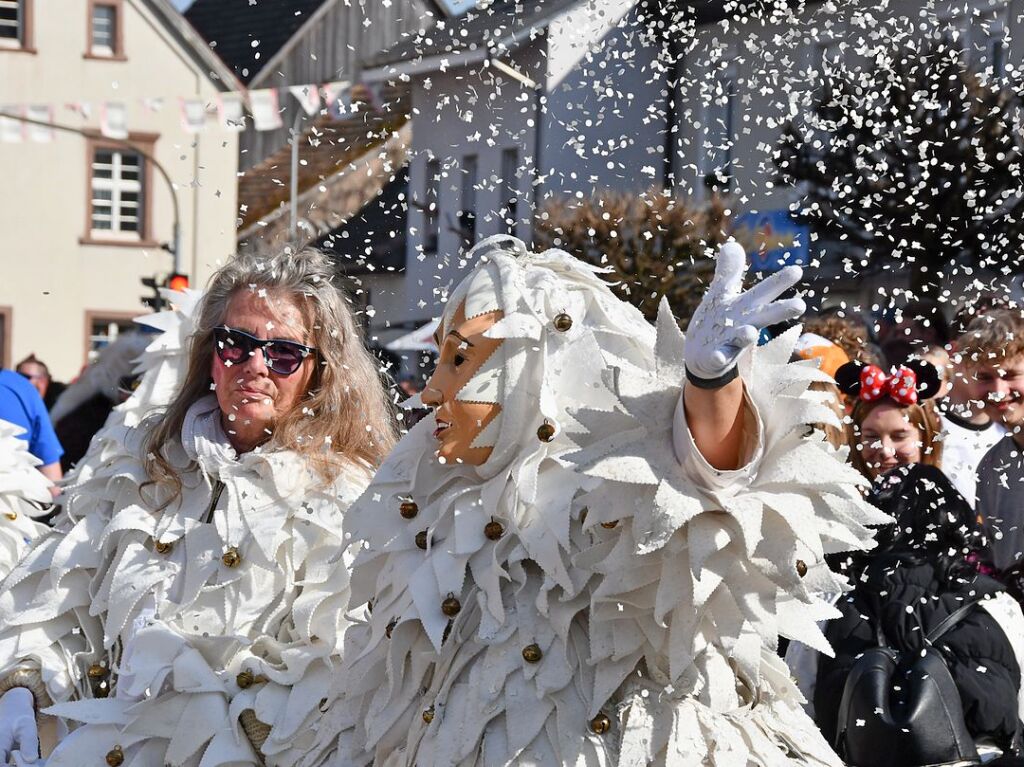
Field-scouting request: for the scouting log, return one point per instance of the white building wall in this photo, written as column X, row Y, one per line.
column 48, row 279
column 473, row 110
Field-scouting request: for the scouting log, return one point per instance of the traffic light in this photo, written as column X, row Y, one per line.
column 155, row 301
column 177, row 281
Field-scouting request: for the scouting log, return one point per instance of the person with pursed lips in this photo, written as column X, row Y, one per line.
column 184, row 610
column 586, row 552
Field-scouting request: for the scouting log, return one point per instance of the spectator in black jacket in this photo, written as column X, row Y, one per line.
column 924, row 568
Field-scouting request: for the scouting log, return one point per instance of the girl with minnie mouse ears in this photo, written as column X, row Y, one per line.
column 893, row 421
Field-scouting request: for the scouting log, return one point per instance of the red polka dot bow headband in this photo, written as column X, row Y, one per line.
column 907, row 385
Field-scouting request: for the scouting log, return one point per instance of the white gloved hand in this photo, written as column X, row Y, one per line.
column 18, row 726
column 729, row 320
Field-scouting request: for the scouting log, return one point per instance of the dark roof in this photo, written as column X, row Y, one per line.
column 504, row 18
column 374, row 239
column 476, row 27
column 232, row 26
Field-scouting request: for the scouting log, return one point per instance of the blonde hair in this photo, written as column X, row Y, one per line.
column 995, row 336
column 921, row 416
column 345, row 416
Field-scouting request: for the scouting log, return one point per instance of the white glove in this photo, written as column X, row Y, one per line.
column 18, row 726
column 729, row 321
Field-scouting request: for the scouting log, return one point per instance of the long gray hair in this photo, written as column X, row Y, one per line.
column 345, row 417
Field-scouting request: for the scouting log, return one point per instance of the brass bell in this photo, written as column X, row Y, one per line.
column 245, row 679
column 115, row 757
column 390, row 627
column 562, row 322
column 163, row 547
column 408, row 509
column 600, row 724
column 421, row 539
column 532, row 653
column 96, row 671
column 610, row 525
column 231, row 557
column 11, row 515
column 428, row 715
column 801, row 568
column 493, row 530
column 546, row 432
column 451, row 606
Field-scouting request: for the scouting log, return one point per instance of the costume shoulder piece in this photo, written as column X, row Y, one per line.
column 594, row 593
column 24, row 494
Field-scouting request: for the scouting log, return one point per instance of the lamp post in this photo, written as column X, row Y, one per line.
column 174, row 247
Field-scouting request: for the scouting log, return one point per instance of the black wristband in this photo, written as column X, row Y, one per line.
column 713, row 383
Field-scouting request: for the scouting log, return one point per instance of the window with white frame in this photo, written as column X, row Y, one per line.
column 431, row 202
column 467, row 212
column 117, row 193
column 509, row 163
column 103, row 35
column 715, row 150
column 12, row 23
column 103, row 331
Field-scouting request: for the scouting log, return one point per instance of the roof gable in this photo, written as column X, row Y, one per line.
column 246, row 34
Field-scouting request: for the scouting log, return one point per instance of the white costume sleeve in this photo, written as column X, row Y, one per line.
column 24, row 493
column 1008, row 615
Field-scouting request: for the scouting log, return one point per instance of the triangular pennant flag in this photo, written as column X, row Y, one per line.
column 231, row 110
column 193, row 115
column 266, row 113
column 336, row 99
column 308, row 97
column 114, row 120
column 11, row 131
column 41, row 113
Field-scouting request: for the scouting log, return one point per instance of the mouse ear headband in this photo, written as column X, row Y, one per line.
column 914, row 381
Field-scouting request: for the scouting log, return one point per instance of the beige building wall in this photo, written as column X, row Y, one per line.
column 53, row 282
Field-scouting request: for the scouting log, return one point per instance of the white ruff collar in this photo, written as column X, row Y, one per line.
column 204, row 439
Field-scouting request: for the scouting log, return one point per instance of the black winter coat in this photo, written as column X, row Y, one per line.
column 977, row 651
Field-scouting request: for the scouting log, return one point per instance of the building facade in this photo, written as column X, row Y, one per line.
column 617, row 96
column 84, row 216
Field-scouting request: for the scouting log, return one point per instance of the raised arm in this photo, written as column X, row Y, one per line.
column 727, row 322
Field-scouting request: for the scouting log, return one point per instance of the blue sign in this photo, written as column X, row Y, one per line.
column 773, row 240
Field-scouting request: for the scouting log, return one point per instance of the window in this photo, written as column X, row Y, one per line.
column 119, row 192
column 103, row 329
column 104, row 29
column 509, row 163
column 716, row 145
column 431, row 199
column 16, row 24
column 5, row 336
column 467, row 213
column 117, row 176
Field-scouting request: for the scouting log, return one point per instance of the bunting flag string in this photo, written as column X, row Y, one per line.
column 264, row 108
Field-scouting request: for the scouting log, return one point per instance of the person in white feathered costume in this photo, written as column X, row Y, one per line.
column 557, row 574
column 185, row 614
column 24, row 494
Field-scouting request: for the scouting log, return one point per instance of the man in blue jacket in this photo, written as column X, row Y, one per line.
column 21, row 404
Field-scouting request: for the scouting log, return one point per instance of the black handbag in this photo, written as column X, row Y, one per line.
column 902, row 709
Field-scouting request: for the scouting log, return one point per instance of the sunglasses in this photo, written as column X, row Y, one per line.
column 234, row 347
